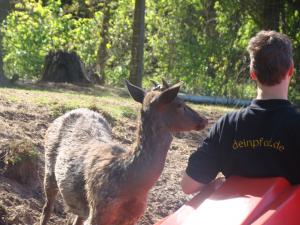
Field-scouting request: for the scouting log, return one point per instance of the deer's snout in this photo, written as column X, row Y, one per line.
column 202, row 123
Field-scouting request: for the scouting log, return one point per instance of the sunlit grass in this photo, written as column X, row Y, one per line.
column 115, row 102
column 212, row 108
column 60, row 101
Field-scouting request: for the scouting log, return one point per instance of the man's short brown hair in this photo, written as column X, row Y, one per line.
column 271, row 56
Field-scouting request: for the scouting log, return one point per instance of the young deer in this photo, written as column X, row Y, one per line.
column 102, row 183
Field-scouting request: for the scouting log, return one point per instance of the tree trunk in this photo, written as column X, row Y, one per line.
column 297, row 78
column 4, row 10
column 266, row 13
column 64, row 67
column 3, row 79
column 137, row 52
column 102, row 50
column 271, row 14
column 83, row 10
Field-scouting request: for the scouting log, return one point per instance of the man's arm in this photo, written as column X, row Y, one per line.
column 204, row 164
column 189, row 185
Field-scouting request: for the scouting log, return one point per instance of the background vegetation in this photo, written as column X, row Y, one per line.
column 201, row 42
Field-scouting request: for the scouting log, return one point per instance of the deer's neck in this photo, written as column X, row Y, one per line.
column 149, row 154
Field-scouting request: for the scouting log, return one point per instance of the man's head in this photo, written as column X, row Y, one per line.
column 271, row 57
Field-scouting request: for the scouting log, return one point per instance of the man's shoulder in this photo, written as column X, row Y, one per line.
column 295, row 110
column 233, row 116
column 228, row 120
column 293, row 115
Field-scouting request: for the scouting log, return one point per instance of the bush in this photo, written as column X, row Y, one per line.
column 28, row 36
column 21, row 162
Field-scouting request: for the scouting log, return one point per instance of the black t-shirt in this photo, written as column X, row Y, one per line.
column 262, row 140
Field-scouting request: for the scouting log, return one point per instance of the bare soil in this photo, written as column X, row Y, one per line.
column 22, row 204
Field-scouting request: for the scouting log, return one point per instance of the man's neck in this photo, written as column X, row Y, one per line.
column 279, row 91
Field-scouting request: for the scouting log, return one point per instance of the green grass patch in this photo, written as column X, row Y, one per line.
column 113, row 103
column 59, row 100
column 3, row 213
column 212, row 108
column 20, row 150
column 129, row 112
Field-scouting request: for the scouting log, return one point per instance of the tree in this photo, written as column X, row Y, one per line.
column 268, row 14
column 102, row 50
column 4, row 10
column 137, row 51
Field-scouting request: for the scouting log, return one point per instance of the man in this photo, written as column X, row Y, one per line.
column 262, row 140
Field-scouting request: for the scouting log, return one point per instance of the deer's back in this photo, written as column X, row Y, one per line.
column 69, row 132
column 70, row 139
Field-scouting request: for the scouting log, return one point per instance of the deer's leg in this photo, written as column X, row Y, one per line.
column 50, row 187
column 78, row 221
column 118, row 213
column 130, row 211
column 96, row 219
column 101, row 216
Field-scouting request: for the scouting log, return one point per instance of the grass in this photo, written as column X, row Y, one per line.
column 20, row 150
column 2, row 212
column 61, row 98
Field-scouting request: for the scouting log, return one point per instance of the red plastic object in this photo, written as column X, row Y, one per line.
column 178, row 217
column 239, row 201
column 285, row 210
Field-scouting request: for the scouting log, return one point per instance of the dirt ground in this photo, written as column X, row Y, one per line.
column 22, row 204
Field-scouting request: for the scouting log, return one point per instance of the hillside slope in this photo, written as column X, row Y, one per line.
column 25, row 114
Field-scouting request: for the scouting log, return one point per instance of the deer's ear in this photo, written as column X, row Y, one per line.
column 170, row 94
column 165, row 84
column 136, row 93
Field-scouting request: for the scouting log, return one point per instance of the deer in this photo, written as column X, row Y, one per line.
column 101, row 182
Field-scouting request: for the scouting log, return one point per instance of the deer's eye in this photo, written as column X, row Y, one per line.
column 179, row 106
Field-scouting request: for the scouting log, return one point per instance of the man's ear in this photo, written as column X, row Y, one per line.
column 291, row 70
column 253, row 75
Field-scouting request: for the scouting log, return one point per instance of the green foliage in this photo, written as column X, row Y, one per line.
column 119, row 46
column 29, row 34
column 202, row 43
column 128, row 112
